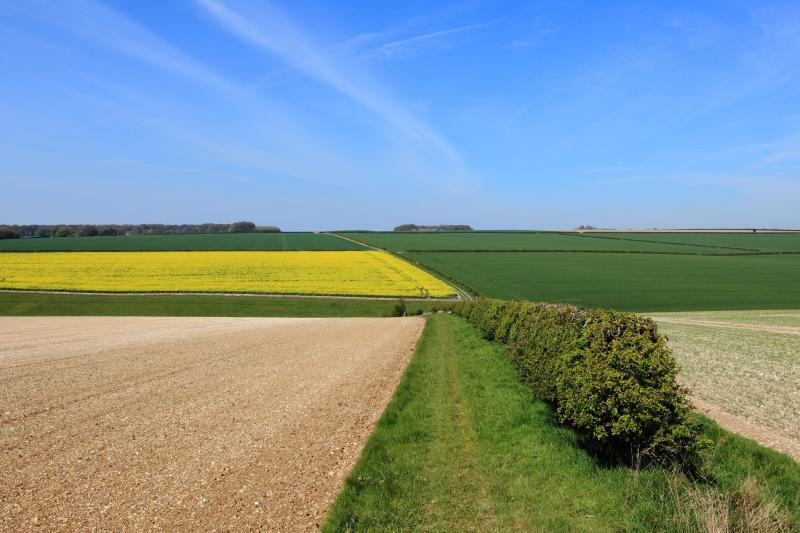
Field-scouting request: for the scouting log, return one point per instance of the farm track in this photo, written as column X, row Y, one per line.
column 188, row 423
column 764, row 436
column 460, row 293
column 789, row 330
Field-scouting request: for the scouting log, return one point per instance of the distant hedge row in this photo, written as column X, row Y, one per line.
column 608, row 375
column 106, row 230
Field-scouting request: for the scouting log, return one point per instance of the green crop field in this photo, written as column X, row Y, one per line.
column 631, row 271
column 636, row 282
column 517, row 240
column 724, row 242
column 184, row 242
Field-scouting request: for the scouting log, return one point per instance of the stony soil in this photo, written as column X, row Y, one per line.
column 743, row 368
column 188, row 423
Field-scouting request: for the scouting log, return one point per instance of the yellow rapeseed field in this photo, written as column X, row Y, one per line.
column 362, row 273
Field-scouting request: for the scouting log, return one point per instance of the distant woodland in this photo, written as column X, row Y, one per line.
column 92, row 230
column 436, row 227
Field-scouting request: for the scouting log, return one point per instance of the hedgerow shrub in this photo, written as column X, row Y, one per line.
column 608, row 375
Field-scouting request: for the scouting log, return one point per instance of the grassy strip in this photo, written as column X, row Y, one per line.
column 464, row 446
column 66, row 304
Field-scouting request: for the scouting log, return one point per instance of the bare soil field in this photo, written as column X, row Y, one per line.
column 132, row 423
column 743, row 369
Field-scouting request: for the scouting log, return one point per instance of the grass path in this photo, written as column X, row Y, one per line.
column 464, row 446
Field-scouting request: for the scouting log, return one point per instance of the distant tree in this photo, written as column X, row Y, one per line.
column 87, row 231
column 435, row 227
column 242, row 227
column 44, row 231
column 62, row 231
column 268, row 229
column 26, row 230
column 8, row 233
column 107, row 231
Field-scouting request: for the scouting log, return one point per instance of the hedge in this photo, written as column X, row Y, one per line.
column 608, row 375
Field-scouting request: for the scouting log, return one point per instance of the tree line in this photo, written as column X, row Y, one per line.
column 16, row 231
column 435, row 227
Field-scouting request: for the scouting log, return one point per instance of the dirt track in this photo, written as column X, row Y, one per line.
column 187, row 423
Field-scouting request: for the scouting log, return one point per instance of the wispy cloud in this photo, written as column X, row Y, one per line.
column 271, row 30
column 281, row 150
column 408, row 44
column 780, row 151
column 98, row 23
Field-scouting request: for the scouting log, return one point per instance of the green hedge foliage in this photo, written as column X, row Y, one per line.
column 608, row 375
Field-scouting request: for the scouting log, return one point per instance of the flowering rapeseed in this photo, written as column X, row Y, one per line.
column 362, row 273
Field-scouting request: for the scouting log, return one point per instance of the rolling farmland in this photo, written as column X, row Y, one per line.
column 186, row 343
column 186, row 242
column 460, row 392
column 635, row 282
column 512, row 240
column 732, row 242
column 704, row 271
column 359, row 273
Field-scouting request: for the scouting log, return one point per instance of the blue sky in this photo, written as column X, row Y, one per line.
column 329, row 115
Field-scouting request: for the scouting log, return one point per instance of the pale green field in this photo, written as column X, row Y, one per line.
column 782, row 318
column 746, row 363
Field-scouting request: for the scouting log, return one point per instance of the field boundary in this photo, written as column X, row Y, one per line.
column 236, row 294
column 575, row 251
column 356, row 242
column 595, row 236
column 767, row 437
column 784, row 330
column 176, row 250
column 463, row 291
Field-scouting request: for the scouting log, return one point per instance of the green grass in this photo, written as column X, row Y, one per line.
column 635, row 282
column 464, row 446
column 49, row 304
column 513, row 240
column 763, row 242
column 207, row 241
